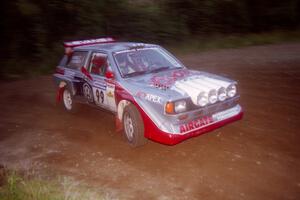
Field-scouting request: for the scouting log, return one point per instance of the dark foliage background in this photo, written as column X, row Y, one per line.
column 32, row 30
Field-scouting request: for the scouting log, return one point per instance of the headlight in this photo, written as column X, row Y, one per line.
column 222, row 94
column 180, row 106
column 231, row 90
column 202, row 99
column 177, row 107
column 212, row 97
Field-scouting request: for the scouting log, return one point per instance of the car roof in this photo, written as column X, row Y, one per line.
column 113, row 46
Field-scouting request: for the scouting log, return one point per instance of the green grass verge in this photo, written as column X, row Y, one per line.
column 15, row 187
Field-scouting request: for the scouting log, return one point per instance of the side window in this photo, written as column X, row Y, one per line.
column 63, row 61
column 76, row 61
column 98, row 64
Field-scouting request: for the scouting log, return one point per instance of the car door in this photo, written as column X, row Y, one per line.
column 72, row 71
column 103, row 91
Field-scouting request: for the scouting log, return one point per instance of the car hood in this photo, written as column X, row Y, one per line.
column 179, row 83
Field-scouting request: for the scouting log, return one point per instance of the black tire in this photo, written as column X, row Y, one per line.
column 134, row 130
column 68, row 101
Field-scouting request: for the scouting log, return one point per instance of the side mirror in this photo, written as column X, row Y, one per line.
column 109, row 75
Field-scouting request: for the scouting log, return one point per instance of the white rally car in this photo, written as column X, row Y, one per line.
column 152, row 94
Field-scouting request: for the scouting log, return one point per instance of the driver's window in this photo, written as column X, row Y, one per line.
column 98, row 64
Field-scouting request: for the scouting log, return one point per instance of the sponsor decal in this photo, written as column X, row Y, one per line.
column 226, row 113
column 166, row 81
column 194, row 124
column 85, row 42
column 149, row 97
column 110, row 85
column 153, row 98
column 110, row 94
column 101, row 85
column 133, row 50
column 180, row 74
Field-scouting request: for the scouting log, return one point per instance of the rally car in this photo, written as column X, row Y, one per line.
column 151, row 93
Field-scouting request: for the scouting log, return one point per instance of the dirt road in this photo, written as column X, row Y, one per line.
column 255, row 158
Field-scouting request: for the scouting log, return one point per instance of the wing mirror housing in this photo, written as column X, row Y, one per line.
column 109, row 75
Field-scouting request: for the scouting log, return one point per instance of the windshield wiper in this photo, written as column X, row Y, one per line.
column 159, row 69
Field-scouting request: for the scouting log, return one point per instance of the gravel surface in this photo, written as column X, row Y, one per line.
column 255, row 158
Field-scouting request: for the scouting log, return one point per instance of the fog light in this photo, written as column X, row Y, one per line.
column 212, row 97
column 231, row 90
column 222, row 94
column 202, row 99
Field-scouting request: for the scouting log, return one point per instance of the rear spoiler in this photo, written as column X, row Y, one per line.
column 77, row 43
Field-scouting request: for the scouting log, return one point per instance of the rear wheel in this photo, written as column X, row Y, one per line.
column 133, row 126
column 68, row 101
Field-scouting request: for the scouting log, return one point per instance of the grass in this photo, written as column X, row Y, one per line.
column 218, row 41
column 14, row 186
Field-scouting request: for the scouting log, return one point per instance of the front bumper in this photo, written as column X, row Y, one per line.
column 212, row 122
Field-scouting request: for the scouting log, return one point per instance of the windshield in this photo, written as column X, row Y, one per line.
column 140, row 61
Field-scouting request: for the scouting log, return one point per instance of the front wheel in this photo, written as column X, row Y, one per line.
column 133, row 126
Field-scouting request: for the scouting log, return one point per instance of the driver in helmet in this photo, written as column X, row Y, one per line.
column 138, row 63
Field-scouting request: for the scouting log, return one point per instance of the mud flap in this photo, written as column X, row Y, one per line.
column 60, row 91
column 118, row 124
